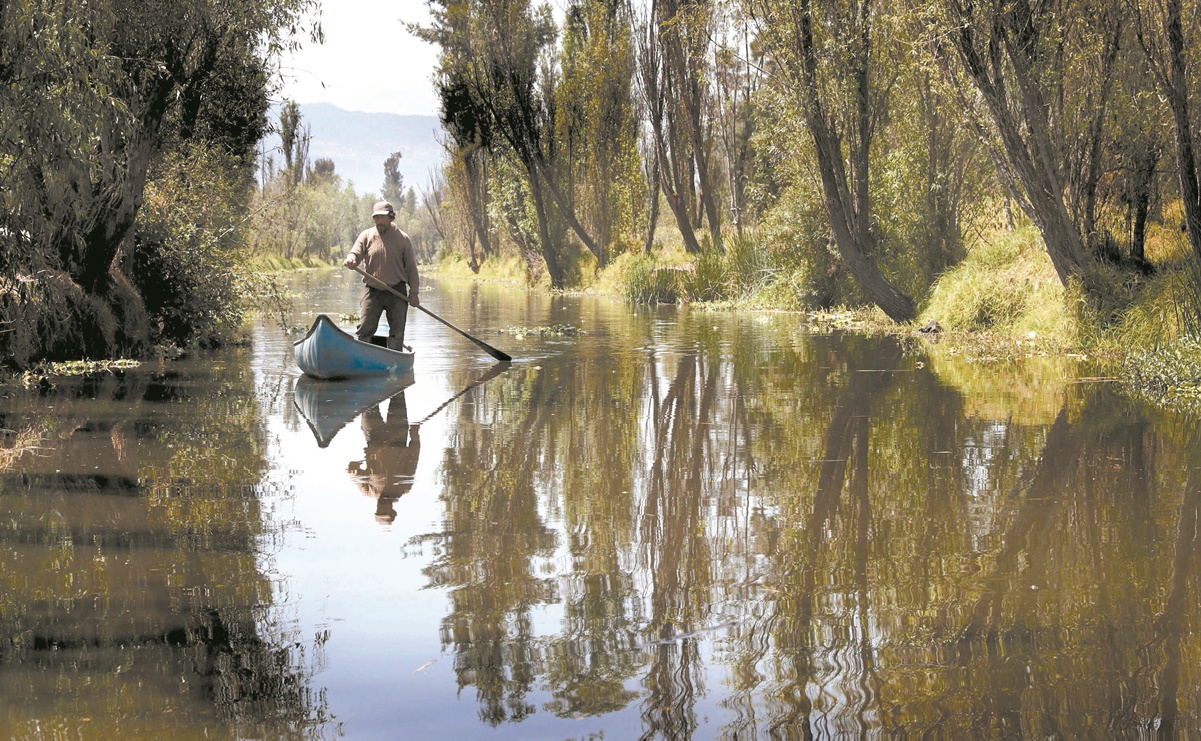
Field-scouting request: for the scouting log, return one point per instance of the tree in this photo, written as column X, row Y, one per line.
column 1161, row 31
column 595, row 119
column 1007, row 53
column 295, row 137
column 89, row 97
column 820, row 73
column 671, row 167
column 684, row 29
column 394, row 183
column 496, row 63
column 737, row 78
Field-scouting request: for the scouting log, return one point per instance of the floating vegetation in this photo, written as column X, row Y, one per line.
column 42, row 373
column 351, row 318
column 16, row 443
column 554, row 330
column 1169, row 376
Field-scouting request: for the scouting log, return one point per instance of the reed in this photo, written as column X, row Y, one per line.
column 15, row 444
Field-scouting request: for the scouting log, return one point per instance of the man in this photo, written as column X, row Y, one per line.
column 386, row 254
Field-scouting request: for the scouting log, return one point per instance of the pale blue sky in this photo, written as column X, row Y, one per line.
column 369, row 62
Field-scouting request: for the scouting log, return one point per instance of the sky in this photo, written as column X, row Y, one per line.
column 369, row 62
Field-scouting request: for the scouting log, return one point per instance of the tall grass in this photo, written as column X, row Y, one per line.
column 672, row 276
column 644, row 282
column 1008, row 286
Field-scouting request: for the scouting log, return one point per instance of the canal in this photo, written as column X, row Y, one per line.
column 655, row 523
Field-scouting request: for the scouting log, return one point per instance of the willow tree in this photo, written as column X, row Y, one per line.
column 670, row 166
column 675, row 64
column 497, row 65
column 1005, row 57
column 824, row 51
column 1168, row 42
column 595, row 119
column 89, row 93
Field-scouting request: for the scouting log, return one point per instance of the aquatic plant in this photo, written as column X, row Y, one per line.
column 554, row 330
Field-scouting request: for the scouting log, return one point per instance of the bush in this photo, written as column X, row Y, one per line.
column 52, row 318
column 189, row 253
column 707, row 280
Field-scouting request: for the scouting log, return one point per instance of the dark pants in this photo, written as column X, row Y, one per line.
column 377, row 301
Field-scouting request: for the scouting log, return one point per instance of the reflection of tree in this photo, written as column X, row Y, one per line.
column 130, row 591
column 679, row 556
column 1028, row 528
column 596, row 453
column 889, row 561
column 1172, row 625
column 492, row 533
column 845, row 456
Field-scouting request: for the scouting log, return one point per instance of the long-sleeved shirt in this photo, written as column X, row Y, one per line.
column 388, row 258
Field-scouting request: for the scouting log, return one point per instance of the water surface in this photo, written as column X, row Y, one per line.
column 677, row 524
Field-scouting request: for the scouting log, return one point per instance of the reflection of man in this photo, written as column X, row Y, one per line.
column 386, row 473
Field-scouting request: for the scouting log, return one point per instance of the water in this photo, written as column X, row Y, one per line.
column 678, row 524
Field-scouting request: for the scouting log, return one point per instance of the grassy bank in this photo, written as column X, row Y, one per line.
column 1003, row 303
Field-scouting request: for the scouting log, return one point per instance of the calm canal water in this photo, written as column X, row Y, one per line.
column 678, row 524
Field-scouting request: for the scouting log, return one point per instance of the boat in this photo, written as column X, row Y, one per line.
column 330, row 352
column 328, row 406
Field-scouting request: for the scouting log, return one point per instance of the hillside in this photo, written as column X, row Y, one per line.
column 359, row 142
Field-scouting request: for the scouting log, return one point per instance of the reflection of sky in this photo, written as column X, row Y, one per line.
column 339, row 570
column 980, row 487
column 382, row 668
column 344, row 572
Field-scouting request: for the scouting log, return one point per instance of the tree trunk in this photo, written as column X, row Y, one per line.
column 115, row 206
column 688, row 73
column 1140, row 204
column 849, row 219
column 475, row 167
column 1177, row 93
column 550, row 251
column 653, row 210
column 672, row 188
column 1029, row 157
column 567, row 210
column 1092, row 167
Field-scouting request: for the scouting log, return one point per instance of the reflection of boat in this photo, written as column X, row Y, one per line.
column 328, row 406
column 329, row 352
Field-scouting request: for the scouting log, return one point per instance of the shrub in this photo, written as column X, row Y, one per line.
column 188, row 256
column 1006, row 285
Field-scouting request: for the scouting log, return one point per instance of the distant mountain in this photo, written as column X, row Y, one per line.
column 358, row 143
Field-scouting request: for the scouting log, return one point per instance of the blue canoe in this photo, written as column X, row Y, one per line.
column 329, row 352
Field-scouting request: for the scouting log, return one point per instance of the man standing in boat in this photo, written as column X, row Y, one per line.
column 386, row 254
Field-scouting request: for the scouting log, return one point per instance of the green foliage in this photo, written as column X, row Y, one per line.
column 748, row 262
column 51, row 317
column 1170, row 374
column 306, row 216
column 595, row 120
column 797, row 243
column 554, row 330
column 92, row 97
column 708, row 279
column 188, row 258
column 643, row 282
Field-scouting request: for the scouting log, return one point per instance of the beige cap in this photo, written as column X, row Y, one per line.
column 383, row 208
